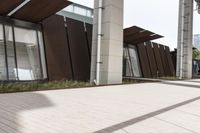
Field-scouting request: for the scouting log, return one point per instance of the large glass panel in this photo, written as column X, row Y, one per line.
column 43, row 62
column 79, row 10
column 127, row 68
column 135, row 61
column 28, row 60
column 12, row 70
column 3, row 73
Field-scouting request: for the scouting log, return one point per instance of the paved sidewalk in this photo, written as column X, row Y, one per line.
column 139, row 108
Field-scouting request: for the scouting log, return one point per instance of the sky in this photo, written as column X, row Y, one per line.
column 158, row 16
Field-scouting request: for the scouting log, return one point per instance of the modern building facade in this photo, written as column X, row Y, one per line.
column 22, row 52
column 57, row 45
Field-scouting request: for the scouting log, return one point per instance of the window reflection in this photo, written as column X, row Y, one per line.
column 134, row 61
column 131, row 62
column 12, row 70
column 127, row 64
column 22, row 54
column 3, row 73
column 28, row 60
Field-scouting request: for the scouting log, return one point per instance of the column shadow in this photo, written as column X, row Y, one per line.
column 13, row 104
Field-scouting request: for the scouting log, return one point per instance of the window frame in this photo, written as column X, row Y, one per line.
column 6, row 21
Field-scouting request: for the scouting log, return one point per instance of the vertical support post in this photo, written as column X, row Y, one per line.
column 185, row 32
column 107, row 44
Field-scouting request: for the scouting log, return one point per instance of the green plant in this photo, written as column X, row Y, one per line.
column 196, row 54
column 22, row 87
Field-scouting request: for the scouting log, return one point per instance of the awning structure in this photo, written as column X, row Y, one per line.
column 32, row 10
column 7, row 6
column 136, row 35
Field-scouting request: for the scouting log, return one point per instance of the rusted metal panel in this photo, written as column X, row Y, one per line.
column 158, row 60
column 6, row 6
column 144, row 61
column 57, row 51
column 152, row 60
column 37, row 10
column 164, row 60
column 89, row 28
column 79, row 50
column 170, row 61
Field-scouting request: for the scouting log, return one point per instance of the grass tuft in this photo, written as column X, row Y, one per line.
column 24, row 87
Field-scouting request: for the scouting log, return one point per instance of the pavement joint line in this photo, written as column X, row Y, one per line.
column 145, row 117
column 180, row 84
column 185, row 112
column 171, row 123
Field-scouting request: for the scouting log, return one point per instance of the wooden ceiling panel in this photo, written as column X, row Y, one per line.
column 135, row 35
column 6, row 6
column 38, row 10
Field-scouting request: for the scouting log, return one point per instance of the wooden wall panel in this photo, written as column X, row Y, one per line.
column 170, row 61
column 79, row 50
column 158, row 60
column 89, row 28
column 164, row 60
column 152, row 60
column 144, row 62
column 57, row 51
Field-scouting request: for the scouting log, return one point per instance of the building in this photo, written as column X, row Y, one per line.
column 50, row 44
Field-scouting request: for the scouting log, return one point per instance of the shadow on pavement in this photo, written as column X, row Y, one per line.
column 144, row 117
column 12, row 104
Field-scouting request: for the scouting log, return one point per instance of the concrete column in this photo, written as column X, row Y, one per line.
column 185, row 32
column 111, row 42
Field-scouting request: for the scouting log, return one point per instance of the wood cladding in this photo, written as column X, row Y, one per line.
column 144, row 61
column 155, row 60
column 79, row 50
column 56, row 48
column 159, row 63
column 89, row 37
column 152, row 60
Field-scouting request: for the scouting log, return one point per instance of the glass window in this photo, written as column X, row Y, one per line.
column 89, row 13
column 135, row 61
column 127, row 68
column 79, row 10
column 12, row 70
column 3, row 72
column 69, row 8
column 43, row 62
column 28, row 60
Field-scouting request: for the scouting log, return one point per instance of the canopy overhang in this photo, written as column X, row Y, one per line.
column 136, row 35
column 34, row 10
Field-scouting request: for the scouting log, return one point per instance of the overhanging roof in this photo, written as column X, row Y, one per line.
column 136, row 35
column 7, row 6
column 33, row 10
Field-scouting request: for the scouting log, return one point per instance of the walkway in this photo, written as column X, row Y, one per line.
column 140, row 108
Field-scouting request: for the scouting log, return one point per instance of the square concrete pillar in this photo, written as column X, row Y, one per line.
column 185, row 33
column 111, row 42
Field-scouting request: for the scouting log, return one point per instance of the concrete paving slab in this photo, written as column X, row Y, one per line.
column 137, row 108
